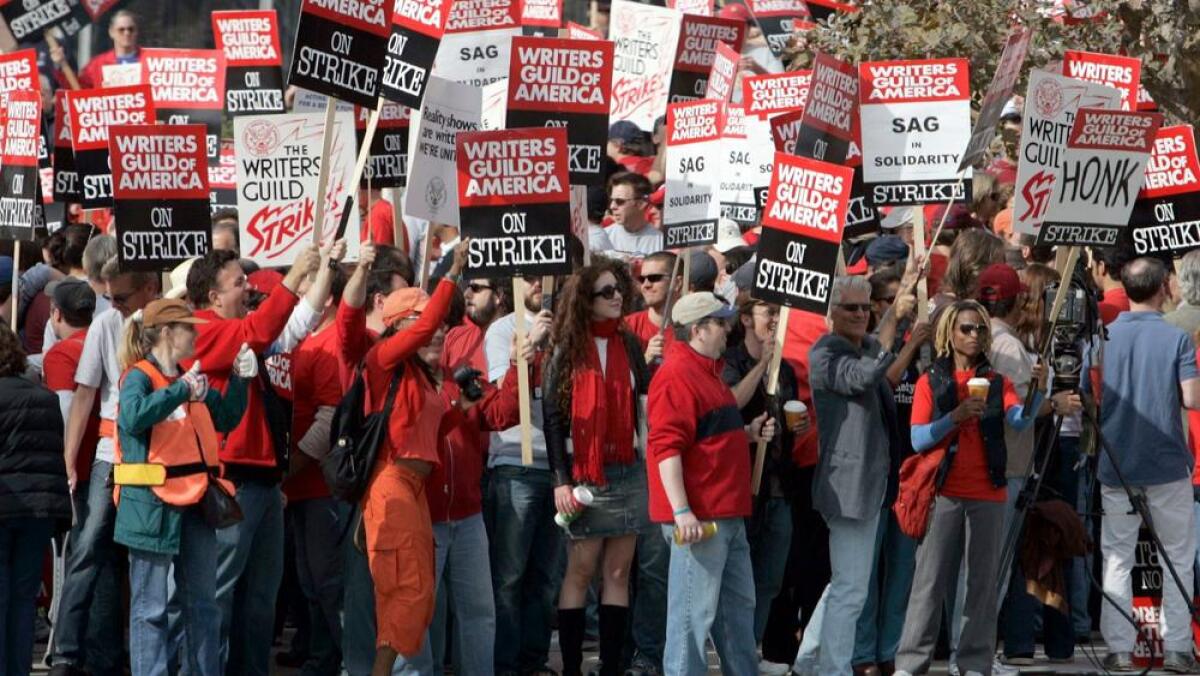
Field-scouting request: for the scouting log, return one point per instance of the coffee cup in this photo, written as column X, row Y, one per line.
column 978, row 387
column 794, row 412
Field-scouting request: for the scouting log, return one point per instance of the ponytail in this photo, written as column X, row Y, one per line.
column 136, row 341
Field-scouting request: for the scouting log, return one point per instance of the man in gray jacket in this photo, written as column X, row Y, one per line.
column 856, row 418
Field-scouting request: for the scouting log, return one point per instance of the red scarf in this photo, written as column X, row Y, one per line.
column 602, row 407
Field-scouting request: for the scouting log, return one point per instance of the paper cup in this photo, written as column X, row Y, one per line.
column 794, row 412
column 978, row 387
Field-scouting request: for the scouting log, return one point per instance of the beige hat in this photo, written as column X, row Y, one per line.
column 699, row 305
column 729, row 236
column 178, row 278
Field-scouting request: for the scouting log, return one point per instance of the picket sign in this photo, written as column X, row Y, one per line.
column 16, row 279
column 522, row 372
column 922, row 253
column 323, row 177
column 760, row 452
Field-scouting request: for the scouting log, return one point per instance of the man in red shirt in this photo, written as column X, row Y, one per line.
column 653, row 281
column 698, row 468
column 70, row 314
column 1107, row 264
column 123, row 31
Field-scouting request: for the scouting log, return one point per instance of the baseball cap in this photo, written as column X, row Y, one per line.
column 700, row 305
column 704, row 269
column 729, row 235
column 169, row 311
column 898, row 217
column 73, row 296
column 886, row 248
column 403, row 303
column 178, row 279
column 736, row 11
column 999, row 281
column 624, row 131
column 1010, row 111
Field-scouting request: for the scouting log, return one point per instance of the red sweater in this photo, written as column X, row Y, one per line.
column 313, row 362
column 217, row 345
column 693, row 415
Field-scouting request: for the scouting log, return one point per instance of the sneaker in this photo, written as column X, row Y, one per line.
column 766, row 668
column 1023, row 660
column 1119, row 662
column 1180, row 662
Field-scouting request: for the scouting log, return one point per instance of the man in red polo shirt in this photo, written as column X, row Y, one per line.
column 653, row 280
column 698, row 466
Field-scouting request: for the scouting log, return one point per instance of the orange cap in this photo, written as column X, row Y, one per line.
column 403, row 303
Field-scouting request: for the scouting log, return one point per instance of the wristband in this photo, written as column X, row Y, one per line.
column 683, row 510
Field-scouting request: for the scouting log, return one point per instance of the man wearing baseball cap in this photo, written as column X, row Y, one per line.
column 698, row 466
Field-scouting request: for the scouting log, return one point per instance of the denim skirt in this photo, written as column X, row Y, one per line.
column 620, row 507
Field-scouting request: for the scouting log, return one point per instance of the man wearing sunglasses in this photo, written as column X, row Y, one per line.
column 630, row 233
column 653, row 281
column 123, row 31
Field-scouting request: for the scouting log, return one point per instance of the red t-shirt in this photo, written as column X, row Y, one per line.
column 314, row 367
column 641, row 326
column 380, row 225
column 1115, row 302
column 968, row 478
column 58, row 368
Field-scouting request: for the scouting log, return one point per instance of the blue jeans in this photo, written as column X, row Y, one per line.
column 770, row 540
column 195, row 573
column 87, row 628
column 649, row 630
column 249, row 569
column 464, row 583
column 23, row 545
column 711, row 589
column 877, row 635
column 828, row 644
column 526, row 546
column 316, row 526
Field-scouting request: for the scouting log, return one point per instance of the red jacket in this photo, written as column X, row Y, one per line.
column 693, row 415
column 217, row 343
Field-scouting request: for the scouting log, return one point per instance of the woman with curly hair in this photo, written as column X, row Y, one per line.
column 965, row 424
column 973, row 250
column 592, row 386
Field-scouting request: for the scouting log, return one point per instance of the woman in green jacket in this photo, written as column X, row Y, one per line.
column 167, row 425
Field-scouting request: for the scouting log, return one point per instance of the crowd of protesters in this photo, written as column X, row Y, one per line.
column 135, row 416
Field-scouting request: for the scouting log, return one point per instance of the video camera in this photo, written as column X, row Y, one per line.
column 1078, row 322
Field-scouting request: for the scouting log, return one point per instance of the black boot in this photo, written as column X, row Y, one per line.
column 571, row 624
column 612, row 638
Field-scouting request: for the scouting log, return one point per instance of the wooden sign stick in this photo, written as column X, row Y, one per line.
column 323, row 176
column 922, row 281
column 937, row 233
column 760, row 452
column 398, row 227
column 14, row 306
column 522, row 373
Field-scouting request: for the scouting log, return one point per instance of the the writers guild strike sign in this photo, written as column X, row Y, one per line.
column 779, row 20
column 388, row 163
column 693, row 146
column 253, row 60
column 19, row 181
column 1050, row 106
column 564, row 83
column 92, row 112
column 278, row 163
column 802, row 233
column 1100, row 176
column 66, row 179
column 699, row 38
column 417, row 27
column 765, row 96
column 340, row 45
column 827, row 123
column 222, row 179
column 1120, row 72
column 916, row 119
column 188, row 87
column 160, row 194
column 514, row 201
column 998, row 94
column 644, row 39
column 475, row 47
column 719, row 86
column 449, row 108
column 29, row 19
column 1166, row 216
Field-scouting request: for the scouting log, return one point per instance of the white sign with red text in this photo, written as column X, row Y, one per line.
column 644, row 42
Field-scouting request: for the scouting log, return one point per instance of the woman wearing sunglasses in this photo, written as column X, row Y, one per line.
column 592, row 386
column 960, row 409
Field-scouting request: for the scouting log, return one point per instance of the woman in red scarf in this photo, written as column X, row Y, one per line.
column 592, row 388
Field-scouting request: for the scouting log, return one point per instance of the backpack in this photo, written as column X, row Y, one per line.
column 354, row 440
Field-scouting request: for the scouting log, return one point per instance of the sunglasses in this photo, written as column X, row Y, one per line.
column 478, row 288
column 653, row 279
column 855, row 307
column 607, row 292
column 622, row 201
column 126, row 29
column 973, row 329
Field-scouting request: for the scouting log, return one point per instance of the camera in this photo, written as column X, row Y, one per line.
column 467, row 380
column 1077, row 324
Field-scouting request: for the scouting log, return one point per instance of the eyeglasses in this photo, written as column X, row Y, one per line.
column 855, row 307
column 622, row 201
column 478, row 288
column 653, row 279
column 973, row 329
column 607, row 292
column 126, row 29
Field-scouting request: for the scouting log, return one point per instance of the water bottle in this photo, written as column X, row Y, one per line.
column 709, row 530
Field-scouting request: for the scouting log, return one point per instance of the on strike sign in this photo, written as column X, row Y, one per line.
column 187, row 85
column 645, row 38
column 278, row 165
column 1121, row 72
column 766, row 96
column 564, row 83
column 340, row 46
column 254, row 61
column 29, row 19
column 698, row 41
column 802, row 232
column 66, row 179
column 827, row 124
column 92, row 112
column 1100, row 176
column 417, row 27
column 1166, row 216
column 779, row 20
column 160, row 190
column 388, row 163
column 514, row 201
column 19, row 181
column 916, row 119
column 693, row 145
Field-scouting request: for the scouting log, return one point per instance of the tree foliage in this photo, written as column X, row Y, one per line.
column 1164, row 34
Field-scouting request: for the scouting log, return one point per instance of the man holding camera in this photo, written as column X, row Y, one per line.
column 1149, row 373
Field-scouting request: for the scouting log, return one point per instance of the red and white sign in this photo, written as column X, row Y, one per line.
column 248, row 37
column 829, row 118
column 765, row 96
column 699, row 38
column 18, row 71
column 92, row 112
column 547, row 13
column 722, row 73
column 785, row 131
column 696, row 7
column 1122, row 72
column 645, row 38
column 185, row 78
column 578, row 32
column 691, row 209
column 556, row 74
column 1173, row 168
column 19, row 183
